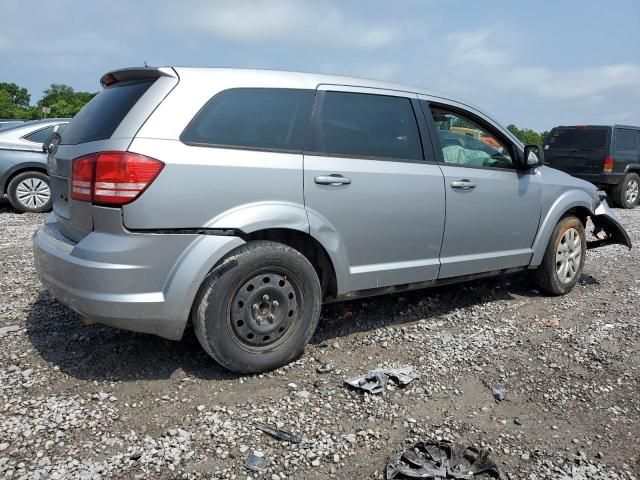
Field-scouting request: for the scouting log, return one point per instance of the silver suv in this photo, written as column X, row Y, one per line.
column 241, row 200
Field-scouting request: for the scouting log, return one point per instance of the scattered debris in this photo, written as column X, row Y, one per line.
column 499, row 392
column 446, row 337
column 256, row 462
column 376, row 380
column 277, row 433
column 434, row 460
column 326, row 367
column 8, row 329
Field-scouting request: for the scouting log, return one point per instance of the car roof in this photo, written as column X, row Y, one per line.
column 22, row 129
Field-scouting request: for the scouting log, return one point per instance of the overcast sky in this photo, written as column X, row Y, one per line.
column 535, row 63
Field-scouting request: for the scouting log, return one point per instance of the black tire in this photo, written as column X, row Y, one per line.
column 619, row 193
column 29, row 203
column 546, row 275
column 277, row 279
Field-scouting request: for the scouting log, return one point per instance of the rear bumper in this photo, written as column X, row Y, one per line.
column 140, row 282
column 600, row 179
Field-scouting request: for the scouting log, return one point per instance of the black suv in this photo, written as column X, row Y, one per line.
column 607, row 156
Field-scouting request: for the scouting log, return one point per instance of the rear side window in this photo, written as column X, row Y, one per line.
column 40, row 136
column 625, row 140
column 260, row 118
column 577, row 138
column 366, row 125
column 101, row 116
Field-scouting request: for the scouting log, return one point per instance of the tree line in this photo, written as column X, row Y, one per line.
column 63, row 100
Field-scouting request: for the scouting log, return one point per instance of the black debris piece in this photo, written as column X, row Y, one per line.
column 256, row 462
column 440, row 460
column 279, row 434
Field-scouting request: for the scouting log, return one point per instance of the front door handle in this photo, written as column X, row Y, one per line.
column 333, row 180
column 463, row 184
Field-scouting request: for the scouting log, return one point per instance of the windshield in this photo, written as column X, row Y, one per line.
column 577, row 138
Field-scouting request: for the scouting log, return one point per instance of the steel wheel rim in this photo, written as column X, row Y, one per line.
column 33, row 192
column 568, row 255
column 631, row 193
column 265, row 311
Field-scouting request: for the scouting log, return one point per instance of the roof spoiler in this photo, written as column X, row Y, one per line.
column 140, row 73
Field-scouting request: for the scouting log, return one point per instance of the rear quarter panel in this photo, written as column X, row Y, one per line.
column 14, row 161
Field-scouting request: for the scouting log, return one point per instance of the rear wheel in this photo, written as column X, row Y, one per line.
column 627, row 193
column 258, row 309
column 563, row 260
column 30, row 192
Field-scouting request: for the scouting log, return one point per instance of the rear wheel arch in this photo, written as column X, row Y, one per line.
column 22, row 169
column 308, row 246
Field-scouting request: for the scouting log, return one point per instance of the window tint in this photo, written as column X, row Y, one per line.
column 577, row 138
column 40, row 136
column 265, row 118
column 365, row 125
column 101, row 116
column 625, row 140
column 464, row 142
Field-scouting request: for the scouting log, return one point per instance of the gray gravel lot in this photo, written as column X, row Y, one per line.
column 82, row 401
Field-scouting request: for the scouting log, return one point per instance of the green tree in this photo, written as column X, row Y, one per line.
column 527, row 135
column 63, row 100
column 14, row 101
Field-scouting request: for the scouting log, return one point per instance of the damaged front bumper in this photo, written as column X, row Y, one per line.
column 607, row 229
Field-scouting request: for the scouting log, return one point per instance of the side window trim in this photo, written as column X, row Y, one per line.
column 315, row 126
column 490, row 128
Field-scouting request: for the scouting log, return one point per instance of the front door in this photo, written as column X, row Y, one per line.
column 368, row 188
column 493, row 209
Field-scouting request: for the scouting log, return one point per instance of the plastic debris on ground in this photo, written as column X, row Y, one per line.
column 376, row 380
column 278, row 434
column 256, row 462
column 499, row 392
column 440, row 460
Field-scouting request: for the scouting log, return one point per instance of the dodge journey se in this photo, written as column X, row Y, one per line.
column 240, row 201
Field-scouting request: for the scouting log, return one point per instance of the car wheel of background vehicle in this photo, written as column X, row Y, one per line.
column 563, row 259
column 258, row 309
column 30, row 192
column 627, row 193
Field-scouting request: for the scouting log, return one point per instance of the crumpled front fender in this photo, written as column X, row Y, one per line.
column 607, row 228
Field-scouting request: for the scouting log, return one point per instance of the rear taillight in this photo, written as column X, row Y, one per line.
column 112, row 178
column 607, row 166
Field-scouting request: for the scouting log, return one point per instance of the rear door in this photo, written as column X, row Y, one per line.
column 578, row 150
column 369, row 186
column 625, row 148
column 493, row 209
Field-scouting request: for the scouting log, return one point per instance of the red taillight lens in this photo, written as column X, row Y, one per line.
column 115, row 178
column 607, row 166
column 82, row 178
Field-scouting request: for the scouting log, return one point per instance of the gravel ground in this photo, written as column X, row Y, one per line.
column 82, row 401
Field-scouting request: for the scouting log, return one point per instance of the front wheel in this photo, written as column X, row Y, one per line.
column 30, row 192
column 563, row 260
column 258, row 309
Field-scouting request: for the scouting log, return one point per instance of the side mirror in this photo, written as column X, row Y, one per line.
column 52, row 141
column 533, row 156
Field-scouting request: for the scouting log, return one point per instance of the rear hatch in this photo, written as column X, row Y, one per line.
column 107, row 123
column 578, row 150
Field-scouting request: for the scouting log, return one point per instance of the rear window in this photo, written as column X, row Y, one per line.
column 367, row 125
column 40, row 136
column 260, row 118
column 577, row 138
column 101, row 116
column 625, row 140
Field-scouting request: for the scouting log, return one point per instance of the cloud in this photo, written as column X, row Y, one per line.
column 285, row 21
column 489, row 58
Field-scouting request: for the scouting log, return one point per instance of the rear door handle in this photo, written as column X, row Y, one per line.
column 463, row 184
column 333, row 180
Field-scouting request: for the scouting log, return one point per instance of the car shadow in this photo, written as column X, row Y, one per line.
column 102, row 353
